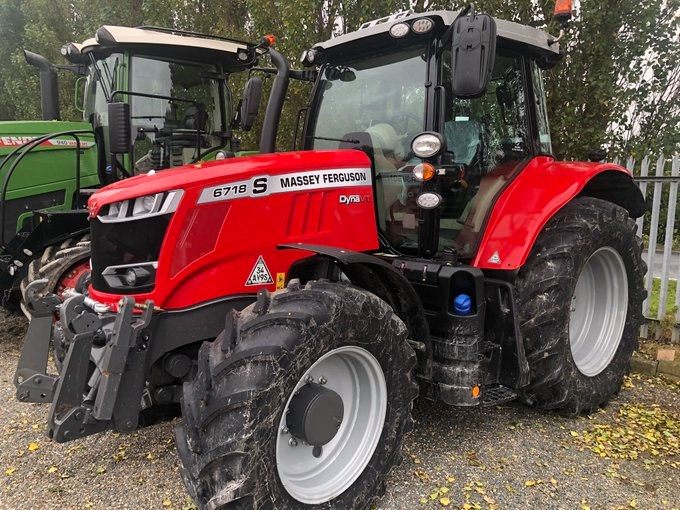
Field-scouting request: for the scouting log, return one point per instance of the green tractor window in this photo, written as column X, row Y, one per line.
column 168, row 128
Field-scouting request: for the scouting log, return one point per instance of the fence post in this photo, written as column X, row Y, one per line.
column 668, row 242
column 653, row 231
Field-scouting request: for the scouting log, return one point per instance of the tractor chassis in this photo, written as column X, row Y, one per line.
column 103, row 382
column 482, row 350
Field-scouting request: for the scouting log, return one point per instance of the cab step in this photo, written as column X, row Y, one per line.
column 495, row 394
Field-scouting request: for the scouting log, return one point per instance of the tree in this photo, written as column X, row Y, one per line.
column 617, row 86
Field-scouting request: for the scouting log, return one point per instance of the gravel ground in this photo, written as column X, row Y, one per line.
column 625, row 456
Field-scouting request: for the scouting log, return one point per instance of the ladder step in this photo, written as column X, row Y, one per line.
column 495, row 394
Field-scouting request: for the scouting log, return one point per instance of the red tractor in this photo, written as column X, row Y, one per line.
column 295, row 304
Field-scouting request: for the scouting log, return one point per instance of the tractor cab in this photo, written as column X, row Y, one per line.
column 440, row 154
column 176, row 85
column 152, row 99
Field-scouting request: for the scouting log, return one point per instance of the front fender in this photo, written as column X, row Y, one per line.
column 536, row 194
column 374, row 275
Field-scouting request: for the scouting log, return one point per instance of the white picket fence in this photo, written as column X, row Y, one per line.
column 658, row 181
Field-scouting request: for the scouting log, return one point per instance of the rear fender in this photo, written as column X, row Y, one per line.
column 536, row 194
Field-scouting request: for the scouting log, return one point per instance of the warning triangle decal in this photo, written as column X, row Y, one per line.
column 260, row 274
column 495, row 258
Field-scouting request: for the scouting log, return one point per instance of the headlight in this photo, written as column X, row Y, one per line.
column 422, row 25
column 427, row 145
column 147, row 206
column 429, row 200
column 131, row 276
column 399, row 30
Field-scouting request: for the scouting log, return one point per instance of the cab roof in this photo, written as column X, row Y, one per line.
column 531, row 39
column 161, row 42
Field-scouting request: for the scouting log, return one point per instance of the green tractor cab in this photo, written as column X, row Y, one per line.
column 176, row 88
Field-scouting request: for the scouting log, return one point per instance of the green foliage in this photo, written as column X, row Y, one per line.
column 617, row 87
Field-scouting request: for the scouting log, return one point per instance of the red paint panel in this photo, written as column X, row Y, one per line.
column 526, row 205
column 254, row 227
column 199, row 234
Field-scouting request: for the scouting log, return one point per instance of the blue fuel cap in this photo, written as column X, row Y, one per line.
column 462, row 305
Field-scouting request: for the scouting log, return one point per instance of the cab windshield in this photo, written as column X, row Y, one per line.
column 382, row 97
column 187, row 116
column 172, row 128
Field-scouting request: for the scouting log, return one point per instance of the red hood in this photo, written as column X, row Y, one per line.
column 204, row 174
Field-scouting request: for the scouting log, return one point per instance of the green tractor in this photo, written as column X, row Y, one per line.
column 174, row 90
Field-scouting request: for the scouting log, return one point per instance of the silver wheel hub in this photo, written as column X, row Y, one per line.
column 331, row 425
column 598, row 311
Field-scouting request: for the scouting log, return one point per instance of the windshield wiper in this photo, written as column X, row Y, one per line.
column 346, row 140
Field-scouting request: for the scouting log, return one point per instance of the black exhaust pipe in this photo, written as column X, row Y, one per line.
column 270, row 124
column 49, row 90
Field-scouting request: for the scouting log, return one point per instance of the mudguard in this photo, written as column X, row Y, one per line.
column 375, row 275
column 536, row 194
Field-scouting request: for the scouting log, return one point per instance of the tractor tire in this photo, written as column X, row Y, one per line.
column 63, row 265
column 234, row 445
column 59, row 263
column 579, row 300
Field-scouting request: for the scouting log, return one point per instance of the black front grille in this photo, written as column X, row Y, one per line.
column 127, row 242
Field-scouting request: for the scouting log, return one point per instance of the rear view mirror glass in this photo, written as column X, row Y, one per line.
column 119, row 128
column 250, row 104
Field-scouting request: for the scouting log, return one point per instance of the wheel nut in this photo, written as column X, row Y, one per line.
column 322, row 380
column 309, row 379
column 292, row 442
column 284, row 430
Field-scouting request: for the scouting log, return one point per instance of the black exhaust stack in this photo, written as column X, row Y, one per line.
column 272, row 115
column 49, row 90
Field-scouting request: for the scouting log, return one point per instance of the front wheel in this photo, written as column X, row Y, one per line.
column 302, row 402
column 580, row 306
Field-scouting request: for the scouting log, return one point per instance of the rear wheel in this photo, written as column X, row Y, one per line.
column 302, row 402
column 580, row 305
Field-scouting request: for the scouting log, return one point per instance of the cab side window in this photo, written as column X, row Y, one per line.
column 486, row 137
column 544, row 141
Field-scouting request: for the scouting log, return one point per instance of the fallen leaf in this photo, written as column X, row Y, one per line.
column 33, row 447
column 53, row 469
column 10, row 471
column 529, row 483
column 167, row 502
column 444, row 501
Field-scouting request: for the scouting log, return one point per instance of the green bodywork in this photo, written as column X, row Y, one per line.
column 46, row 177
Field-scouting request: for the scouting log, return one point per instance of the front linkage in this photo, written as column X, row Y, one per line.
column 87, row 396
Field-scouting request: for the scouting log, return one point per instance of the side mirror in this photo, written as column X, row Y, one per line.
column 79, row 96
column 120, row 137
column 250, row 104
column 473, row 52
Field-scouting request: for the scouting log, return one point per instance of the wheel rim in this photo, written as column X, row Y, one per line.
column 356, row 376
column 598, row 311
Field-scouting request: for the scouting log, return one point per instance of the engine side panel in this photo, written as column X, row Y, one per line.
column 526, row 205
column 223, row 238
